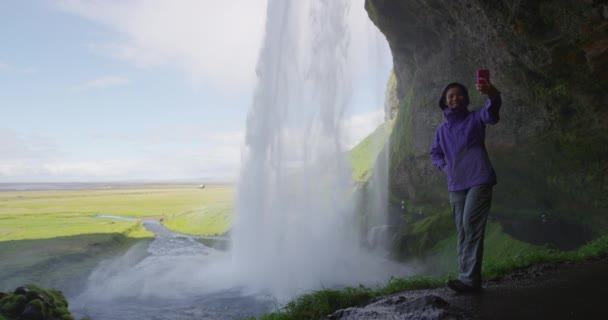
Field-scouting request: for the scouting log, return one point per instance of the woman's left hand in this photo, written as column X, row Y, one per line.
column 488, row 89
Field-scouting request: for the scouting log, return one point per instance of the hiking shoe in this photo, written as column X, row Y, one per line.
column 460, row 286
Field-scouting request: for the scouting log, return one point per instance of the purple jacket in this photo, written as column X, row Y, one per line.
column 459, row 149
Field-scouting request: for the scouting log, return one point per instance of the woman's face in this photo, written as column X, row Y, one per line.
column 454, row 97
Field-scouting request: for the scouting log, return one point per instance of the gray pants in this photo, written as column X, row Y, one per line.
column 470, row 209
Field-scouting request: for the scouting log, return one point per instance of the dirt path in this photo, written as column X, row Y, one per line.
column 548, row 291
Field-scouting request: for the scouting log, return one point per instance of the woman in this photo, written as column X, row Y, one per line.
column 459, row 151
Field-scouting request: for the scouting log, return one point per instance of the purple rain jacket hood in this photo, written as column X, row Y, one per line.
column 459, row 145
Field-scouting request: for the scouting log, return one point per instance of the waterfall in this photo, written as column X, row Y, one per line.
column 296, row 227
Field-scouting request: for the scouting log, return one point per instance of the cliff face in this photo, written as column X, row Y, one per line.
column 550, row 61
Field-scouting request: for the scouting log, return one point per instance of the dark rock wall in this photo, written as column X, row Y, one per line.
column 548, row 58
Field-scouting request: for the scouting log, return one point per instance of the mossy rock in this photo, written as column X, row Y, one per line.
column 33, row 302
column 549, row 58
column 419, row 237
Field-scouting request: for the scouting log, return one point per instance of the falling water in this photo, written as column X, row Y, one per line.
column 297, row 229
column 296, row 226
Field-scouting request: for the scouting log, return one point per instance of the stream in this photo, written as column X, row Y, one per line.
column 175, row 276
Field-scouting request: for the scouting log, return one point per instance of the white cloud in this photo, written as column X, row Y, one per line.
column 88, row 168
column 219, row 158
column 4, row 67
column 216, row 42
column 33, row 159
column 103, row 82
column 63, row 170
column 359, row 126
column 182, row 166
column 212, row 156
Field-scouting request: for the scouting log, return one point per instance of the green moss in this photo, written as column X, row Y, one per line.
column 391, row 96
column 402, row 137
column 51, row 303
column 564, row 163
column 422, row 232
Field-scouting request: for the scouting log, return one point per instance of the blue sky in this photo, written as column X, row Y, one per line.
column 143, row 89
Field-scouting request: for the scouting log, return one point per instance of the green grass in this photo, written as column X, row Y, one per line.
column 53, row 236
column 318, row 304
column 499, row 248
column 49, row 214
column 212, row 220
column 503, row 254
column 45, row 226
column 364, row 154
column 321, row 303
column 66, row 260
column 153, row 201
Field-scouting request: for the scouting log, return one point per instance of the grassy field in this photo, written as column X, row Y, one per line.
column 53, row 238
column 56, row 213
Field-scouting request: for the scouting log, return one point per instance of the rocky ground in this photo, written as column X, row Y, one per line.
column 564, row 290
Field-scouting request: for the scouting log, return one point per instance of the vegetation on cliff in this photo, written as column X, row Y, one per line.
column 549, row 59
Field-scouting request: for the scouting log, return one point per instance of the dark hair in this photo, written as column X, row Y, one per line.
column 442, row 104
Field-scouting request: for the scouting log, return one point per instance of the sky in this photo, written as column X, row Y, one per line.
column 145, row 90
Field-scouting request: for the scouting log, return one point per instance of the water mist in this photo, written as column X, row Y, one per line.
column 297, row 227
column 297, row 222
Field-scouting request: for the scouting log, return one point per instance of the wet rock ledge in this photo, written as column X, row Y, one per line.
column 429, row 307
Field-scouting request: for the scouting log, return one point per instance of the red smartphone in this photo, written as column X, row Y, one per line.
column 483, row 76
